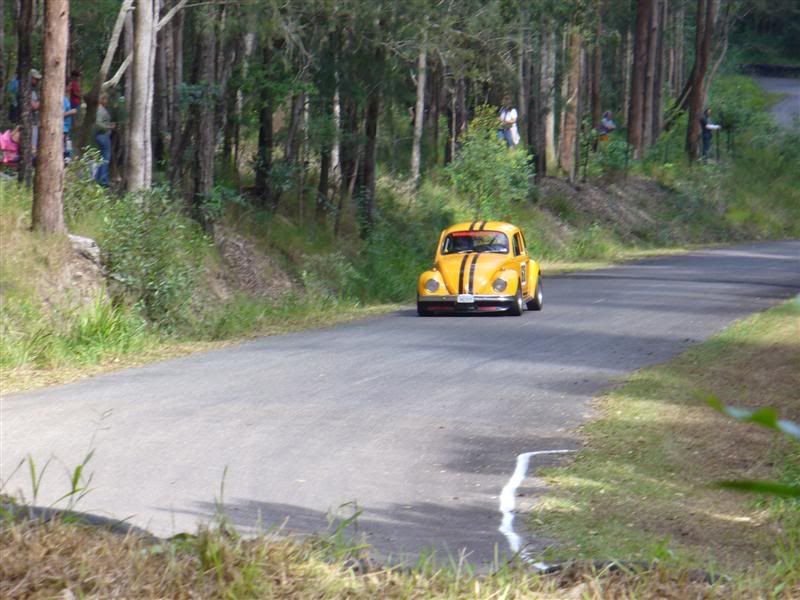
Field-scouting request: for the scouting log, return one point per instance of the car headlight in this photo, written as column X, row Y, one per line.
column 500, row 285
column 431, row 285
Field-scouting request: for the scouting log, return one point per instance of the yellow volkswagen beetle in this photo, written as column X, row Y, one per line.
column 481, row 266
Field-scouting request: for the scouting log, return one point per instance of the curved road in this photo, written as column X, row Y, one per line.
column 787, row 110
column 418, row 421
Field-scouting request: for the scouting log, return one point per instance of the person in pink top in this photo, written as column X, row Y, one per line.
column 9, row 147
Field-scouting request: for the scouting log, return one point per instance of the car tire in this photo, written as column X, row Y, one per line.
column 519, row 304
column 538, row 297
column 422, row 311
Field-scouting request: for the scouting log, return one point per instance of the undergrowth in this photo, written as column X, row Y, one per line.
column 159, row 263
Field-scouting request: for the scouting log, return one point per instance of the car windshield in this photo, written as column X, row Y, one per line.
column 460, row 242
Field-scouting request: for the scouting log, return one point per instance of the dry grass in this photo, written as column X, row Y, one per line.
column 644, row 487
column 58, row 560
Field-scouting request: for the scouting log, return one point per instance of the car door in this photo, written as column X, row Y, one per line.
column 520, row 258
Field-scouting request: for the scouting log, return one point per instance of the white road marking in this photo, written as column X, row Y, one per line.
column 507, row 502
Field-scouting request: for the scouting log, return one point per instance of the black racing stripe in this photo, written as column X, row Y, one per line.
column 483, row 226
column 461, row 274
column 472, row 226
column 472, row 275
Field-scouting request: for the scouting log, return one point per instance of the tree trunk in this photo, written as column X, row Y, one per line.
column 650, row 76
column 523, row 61
column 163, row 96
column 25, row 26
column 292, row 145
column 537, row 105
column 461, row 112
column 265, row 141
column 203, row 112
column 436, row 109
column 627, row 67
column 419, row 111
column 658, row 80
column 569, row 134
column 48, row 205
column 336, row 163
column 368, row 176
column 680, row 68
column 139, row 159
column 644, row 10
column 704, row 33
column 176, row 144
column 548, row 92
column 597, row 68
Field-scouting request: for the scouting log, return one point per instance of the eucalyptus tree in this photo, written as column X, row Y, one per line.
column 48, row 192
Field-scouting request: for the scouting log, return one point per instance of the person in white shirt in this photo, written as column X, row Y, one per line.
column 708, row 128
column 508, row 123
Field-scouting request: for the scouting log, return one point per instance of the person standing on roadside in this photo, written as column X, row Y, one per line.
column 69, row 116
column 12, row 96
column 36, row 78
column 708, row 131
column 74, row 90
column 103, row 128
column 508, row 130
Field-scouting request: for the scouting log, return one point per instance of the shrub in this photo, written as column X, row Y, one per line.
column 155, row 253
column 487, row 173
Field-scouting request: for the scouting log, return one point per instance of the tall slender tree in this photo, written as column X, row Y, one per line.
column 48, row 204
column 138, row 165
column 419, row 109
column 644, row 10
column 25, row 26
column 704, row 33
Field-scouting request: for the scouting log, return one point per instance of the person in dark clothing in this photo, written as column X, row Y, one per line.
column 708, row 128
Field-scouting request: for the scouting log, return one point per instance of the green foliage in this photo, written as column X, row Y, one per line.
column 593, row 242
column 737, row 101
column 216, row 205
column 769, row 418
column 488, row 174
column 33, row 336
column 83, row 198
column 155, row 253
column 610, row 159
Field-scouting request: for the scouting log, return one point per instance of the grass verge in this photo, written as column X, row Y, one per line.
column 644, row 487
column 66, row 559
column 30, row 376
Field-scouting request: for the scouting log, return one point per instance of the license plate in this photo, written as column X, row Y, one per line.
column 465, row 299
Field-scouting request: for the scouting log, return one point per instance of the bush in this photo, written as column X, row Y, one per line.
column 487, row 173
column 155, row 253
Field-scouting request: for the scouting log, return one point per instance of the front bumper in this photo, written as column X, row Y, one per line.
column 449, row 303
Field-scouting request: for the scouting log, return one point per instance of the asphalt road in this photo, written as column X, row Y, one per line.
column 417, row 420
column 787, row 110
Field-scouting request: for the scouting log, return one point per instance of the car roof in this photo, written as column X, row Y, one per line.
column 506, row 228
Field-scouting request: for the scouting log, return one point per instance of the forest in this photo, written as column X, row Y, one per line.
column 313, row 99
column 337, row 137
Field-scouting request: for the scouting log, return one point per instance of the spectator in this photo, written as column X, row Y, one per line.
column 708, row 131
column 603, row 128
column 69, row 115
column 508, row 123
column 103, row 128
column 36, row 77
column 74, row 90
column 9, row 147
column 12, row 92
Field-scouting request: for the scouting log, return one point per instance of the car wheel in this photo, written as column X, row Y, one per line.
column 538, row 299
column 422, row 311
column 519, row 304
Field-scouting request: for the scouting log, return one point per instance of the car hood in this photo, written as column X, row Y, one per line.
column 458, row 270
